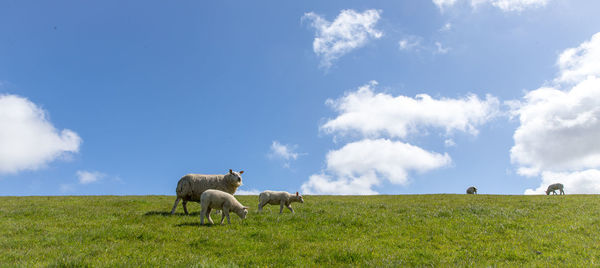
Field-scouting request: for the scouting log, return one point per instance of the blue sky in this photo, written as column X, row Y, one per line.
column 335, row 97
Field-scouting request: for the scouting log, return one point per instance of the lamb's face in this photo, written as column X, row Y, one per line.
column 243, row 213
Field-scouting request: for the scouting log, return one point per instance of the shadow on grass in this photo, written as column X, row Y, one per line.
column 167, row 213
column 195, row 224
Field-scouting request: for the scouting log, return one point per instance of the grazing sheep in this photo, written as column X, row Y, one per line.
column 278, row 198
column 220, row 200
column 553, row 187
column 191, row 186
column 472, row 190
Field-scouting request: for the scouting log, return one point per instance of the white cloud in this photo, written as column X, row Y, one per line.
column 378, row 114
column 377, row 119
column 358, row 166
column 559, row 129
column 517, row 5
column 247, row 192
column 559, row 124
column 28, row 140
column 579, row 182
column 576, row 64
column 440, row 49
column 444, row 3
column 446, row 27
column 449, row 143
column 350, row 30
column 410, row 43
column 283, row 151
column 504, row 5
column 87, row 177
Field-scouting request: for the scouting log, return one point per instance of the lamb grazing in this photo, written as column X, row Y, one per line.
column 278, row 198
column 553, row 187
column 472, row 190
column 191, row 186
column 220, row 200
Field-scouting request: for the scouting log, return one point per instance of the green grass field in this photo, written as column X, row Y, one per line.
column 407, row 230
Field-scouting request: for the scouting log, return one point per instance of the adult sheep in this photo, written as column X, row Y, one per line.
column 472, row 190
column 191, row 186
column 553, row 187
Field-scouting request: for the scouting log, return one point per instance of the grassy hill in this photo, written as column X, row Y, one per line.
column 413, row 230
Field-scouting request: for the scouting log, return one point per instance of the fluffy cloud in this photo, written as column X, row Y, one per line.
column 559, row 125
column 576, row 64
column 283, row 151
column 28, row 140
column 378, row 114
column 559, row 129
column 350, row 30
column 358, row 166
column 504, row 5
column 87, row 177
column 379, row 120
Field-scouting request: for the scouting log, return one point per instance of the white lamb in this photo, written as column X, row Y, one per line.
column 191, row 186
column 553, row 187
column 278, row 198
column 215, row 199
column 472, row 190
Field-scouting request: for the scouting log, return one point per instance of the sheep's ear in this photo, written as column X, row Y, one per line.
column 242, row 172
column 296, row 193
column 246, row 207
column 230, row 171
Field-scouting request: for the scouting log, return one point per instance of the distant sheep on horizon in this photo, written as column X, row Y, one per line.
column 553, row 187
column 191, row 186
column 472, row 190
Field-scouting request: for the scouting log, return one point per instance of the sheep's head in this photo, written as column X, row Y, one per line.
column 299, row 198
column 235, row 178
column 243, row 212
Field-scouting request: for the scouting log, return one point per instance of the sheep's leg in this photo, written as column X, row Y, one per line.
column 175, row 206
column 202, row 212
column 290, row 207
column 184, row 203
column 208, row 215
column 281, row 207
column 225, row 213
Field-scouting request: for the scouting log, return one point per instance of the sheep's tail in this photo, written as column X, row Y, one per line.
column 179, row 188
